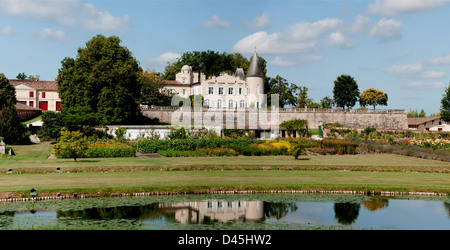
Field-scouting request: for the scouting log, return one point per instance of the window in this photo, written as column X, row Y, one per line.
column 31, row 94
column 242, row 104
column 240, row 91
column 219, row 103
column 230, row 91
column 184, row 91
column 230, row 104
column 207, row 102
column 248, row 91
column 220, row 90
column 211, row 90
column 257, row 89
column 31, row 104
column 43, row 94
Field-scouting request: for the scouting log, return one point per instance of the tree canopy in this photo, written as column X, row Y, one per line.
column 373, row 97
column 152, row 92
column 7, row 91
column 105, row 77
column 345, row 91
column 286, row 91
column 445, row 105
column 211, row 63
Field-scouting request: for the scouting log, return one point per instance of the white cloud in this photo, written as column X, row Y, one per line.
column 425, row 85
column 66, row 13
column 215, row 22
column 8, row 30
column 259, row 22
column 102, row 20
column 50, row 34
column 360, row 24
column 300, row 37
column 338, row 39
column 289, row 61
column 405, row 69
column 396, row 7
column 163, row 59
column 440, row 60
column 432, row 74
column 387, row 30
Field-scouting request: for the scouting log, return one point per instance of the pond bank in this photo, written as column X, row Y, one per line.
column 16, row 198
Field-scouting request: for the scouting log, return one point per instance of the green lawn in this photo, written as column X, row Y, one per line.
column 31, row 168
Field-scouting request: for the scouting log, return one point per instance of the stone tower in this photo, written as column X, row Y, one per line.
column 255, row 82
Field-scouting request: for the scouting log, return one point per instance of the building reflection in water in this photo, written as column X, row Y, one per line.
column 216, row 210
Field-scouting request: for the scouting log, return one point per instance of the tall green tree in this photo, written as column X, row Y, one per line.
column 303, row 99
column 345, row 91
column 7, row 91
column 327, row 102
column 21, row 76
column 152, row 92
column 52, row 124
column 283, row 89
column 105, row 77
column 11, row 129
column 373, row 97
column 445, row 105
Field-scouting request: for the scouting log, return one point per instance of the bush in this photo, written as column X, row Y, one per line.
column 109, row 150
column 153, row 146
column 199, row 152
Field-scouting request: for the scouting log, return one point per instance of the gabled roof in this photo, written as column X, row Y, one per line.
column 38, row 85
column 20, row 106
column 421, row 120
column 255, row 68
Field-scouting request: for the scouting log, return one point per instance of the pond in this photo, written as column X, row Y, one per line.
column 254, row 212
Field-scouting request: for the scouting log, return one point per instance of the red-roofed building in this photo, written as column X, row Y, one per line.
column 38, row 94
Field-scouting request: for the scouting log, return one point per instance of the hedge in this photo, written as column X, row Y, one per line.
column 153, row 146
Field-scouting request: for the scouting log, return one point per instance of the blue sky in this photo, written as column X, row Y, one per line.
column 401, row 47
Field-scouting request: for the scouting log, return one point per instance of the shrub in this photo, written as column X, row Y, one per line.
column 199, row 152
column 152, row 146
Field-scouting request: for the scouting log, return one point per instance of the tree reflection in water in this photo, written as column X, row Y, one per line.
column 346, row 213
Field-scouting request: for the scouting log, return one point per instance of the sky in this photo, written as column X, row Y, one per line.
column 401, row 47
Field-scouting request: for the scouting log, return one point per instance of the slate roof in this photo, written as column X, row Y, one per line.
column 20, row 106
column 255, row 68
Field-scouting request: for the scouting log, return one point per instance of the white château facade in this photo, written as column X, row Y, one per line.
column 224, row 91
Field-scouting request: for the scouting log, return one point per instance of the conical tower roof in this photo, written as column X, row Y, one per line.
column 255, row 68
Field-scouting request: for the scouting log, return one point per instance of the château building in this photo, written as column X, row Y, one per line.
column 226, row 91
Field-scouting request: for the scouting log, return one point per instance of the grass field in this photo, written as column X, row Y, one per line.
column 32, row 169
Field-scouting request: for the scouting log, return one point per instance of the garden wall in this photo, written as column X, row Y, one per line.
column 380, row 119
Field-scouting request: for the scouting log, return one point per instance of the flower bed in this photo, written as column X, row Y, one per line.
column 200, row 152
column 443, row 143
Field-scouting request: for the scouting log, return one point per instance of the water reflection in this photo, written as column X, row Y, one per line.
column 365, row 212
column 197, row 212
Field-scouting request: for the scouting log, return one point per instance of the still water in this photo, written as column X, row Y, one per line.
column 274, row 211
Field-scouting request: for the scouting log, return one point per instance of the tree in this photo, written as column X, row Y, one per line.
column 281, row 87
column 7, row 91
column 373, row 97
column 71, row 144
column 76, row 118
column 21, row 76
column 445, row 105
column 105, row 77
column 52, row 124
column 327, row 102
column 152, row 92
column 301, row 126
column 211, row 63
column 302, row 97
column 11, row 129
column 345, row 91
